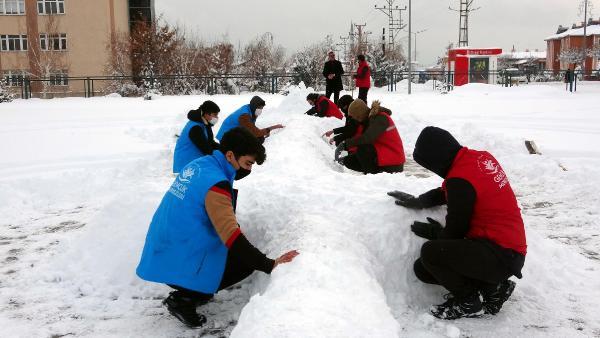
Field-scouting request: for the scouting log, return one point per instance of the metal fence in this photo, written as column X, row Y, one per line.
column 92, row 86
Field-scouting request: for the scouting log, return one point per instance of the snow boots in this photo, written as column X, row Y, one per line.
column 184, row 309
column 493, row 299
column 454, row 308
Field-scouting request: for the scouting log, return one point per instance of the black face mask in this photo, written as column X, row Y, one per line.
column 241, row 173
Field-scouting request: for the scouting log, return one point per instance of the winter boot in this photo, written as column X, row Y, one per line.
column 184, row 309
column 454, row 308
column 494, row 298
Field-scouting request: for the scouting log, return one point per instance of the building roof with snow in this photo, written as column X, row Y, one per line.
column 524, row 55
column 578, row 31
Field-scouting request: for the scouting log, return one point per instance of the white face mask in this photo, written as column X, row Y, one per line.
column 213, row 121
column 258, row 111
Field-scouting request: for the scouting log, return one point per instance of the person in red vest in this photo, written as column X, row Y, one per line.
column 321, row 106
column 483, row 242
column 378, row 148
column 362, row 78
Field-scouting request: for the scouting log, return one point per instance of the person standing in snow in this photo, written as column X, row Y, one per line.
column 196, row 139
column 362, row 78
column 321, row 106
column 483, row 242
column 379, row 147
column 194, row 243
column 350, row 127
column 333, row 71
column 246, row 117
column 569, row 78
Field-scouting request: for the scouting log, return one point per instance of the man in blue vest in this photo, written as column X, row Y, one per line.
column 246, row 117
column 194, row 243
column 196, row 139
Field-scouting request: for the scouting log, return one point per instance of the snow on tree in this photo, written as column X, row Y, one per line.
column 572, row 55
column 5, row 94
column 384, row 62
column 308, row 64
column 259, row 58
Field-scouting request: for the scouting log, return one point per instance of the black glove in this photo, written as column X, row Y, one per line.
column 429, row 230
column 406, row 200
column 338, row 151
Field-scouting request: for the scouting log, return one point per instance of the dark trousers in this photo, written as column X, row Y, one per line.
column 365, row 161
column 235, row 272
column 336, row 94
column 463, row 266
column 362, row 94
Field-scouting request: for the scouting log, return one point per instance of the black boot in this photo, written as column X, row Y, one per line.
column 184, row 309
column 454, row 308
column 494, row 299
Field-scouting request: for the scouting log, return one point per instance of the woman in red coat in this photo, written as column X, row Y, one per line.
column 362, row 78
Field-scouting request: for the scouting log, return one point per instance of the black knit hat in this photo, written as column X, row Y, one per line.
column 312, row 96
column 209, row 107
column 435, row 150
column 256, row 102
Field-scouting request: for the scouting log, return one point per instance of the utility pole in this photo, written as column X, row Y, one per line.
column 344, row 43
column 409, row 46
column 584, row 39
column 463, row 23
column 362, row 37
column 394, row 25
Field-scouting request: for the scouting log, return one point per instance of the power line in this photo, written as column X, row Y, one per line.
column 463, row 23
column 394, row 24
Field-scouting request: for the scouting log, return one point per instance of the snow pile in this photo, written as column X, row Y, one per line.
column 81, row 179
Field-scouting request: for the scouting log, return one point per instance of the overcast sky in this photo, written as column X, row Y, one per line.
column 294, row 24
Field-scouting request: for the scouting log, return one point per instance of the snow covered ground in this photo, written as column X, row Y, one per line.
column 80, row 180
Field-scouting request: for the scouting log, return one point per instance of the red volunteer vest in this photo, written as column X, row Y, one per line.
column 332, row 108
column 358, row 132
column 496, row 214
column 390, row 150
column 364, row 82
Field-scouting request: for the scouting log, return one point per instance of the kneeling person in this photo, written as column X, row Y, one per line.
column 194, row 243
column 483, row 242
column 379, row 147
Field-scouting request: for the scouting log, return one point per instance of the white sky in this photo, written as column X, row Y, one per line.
column 499, row 23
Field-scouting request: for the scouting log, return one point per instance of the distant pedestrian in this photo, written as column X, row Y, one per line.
column 569, row 77
column 363, row 78
column 333, row 71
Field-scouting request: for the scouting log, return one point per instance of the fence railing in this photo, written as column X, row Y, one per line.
column 91, row 86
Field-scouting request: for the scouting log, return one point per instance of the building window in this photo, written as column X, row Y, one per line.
column 13, row 42
column 59, row 79
column 51, row 6
column 53, row 41
column 12, row 7
column 14, row 78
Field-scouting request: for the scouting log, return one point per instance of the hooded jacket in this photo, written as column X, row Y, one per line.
column 195, row 140
column 381, row 133
column 481, row 202
column 245, row 116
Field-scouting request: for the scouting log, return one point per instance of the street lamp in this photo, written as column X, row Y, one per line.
column 415, row 33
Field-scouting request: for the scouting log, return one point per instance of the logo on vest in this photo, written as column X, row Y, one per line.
column 179, row 187
column 490, row 167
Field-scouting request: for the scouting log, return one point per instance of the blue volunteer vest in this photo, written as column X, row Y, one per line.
column 182, row 246
column 185, row 150
column 233, row 120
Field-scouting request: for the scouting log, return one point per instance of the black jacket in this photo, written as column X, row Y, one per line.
column 206, row 145
column 345, row 132
column 333, row 67
column 435, row 150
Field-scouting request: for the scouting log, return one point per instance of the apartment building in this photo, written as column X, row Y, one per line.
column 572, row 38
column 57, row 39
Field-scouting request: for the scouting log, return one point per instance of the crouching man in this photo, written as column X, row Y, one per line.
column 483, row 242
column 194, row 243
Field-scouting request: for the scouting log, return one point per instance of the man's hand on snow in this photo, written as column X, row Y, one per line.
column 328, row 133
column 286, row 258
column 406, row 200
column 338, row 152
column 430, row 230
column 277, row 126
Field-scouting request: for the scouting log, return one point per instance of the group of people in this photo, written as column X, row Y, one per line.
column 195, row 245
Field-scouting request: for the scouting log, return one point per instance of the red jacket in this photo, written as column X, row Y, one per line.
column 496, row 214
column 390, row 151
column 359, row 131
column 364, row 81
column 332, row 108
